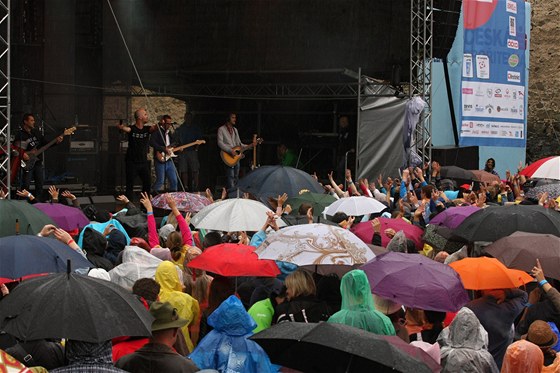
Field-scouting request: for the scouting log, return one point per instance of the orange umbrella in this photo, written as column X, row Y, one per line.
column 488, row 273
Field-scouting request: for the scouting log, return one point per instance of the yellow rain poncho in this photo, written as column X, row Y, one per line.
column 172, row 291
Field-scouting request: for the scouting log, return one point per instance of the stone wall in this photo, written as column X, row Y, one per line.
column 544, row 80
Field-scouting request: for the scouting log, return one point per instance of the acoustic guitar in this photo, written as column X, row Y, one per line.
column 164, row 157
column 34, row 154
column 232, row 160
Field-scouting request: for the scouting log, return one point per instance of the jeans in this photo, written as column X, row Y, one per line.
column 164, row 170
column 232, row 174
column 37, row 173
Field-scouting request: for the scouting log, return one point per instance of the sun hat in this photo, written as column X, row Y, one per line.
column 541, row 334
column 166, row 317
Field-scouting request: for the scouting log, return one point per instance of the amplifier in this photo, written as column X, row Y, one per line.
column 83, row 146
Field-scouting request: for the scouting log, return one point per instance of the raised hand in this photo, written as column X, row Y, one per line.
column 209, row 195
column 53, row 192
column 47, row 230
column 188, row 217
column 67, row 194
column 145, row 200
column 224, row 193
column 376, row 224
column 171, row 202
column 123, row 199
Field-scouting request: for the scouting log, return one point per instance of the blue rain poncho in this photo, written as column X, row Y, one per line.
column 226, row 348
column 357, row 308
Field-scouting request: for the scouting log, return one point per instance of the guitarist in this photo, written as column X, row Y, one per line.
column 228, row 139
column 161, row 141
column 28, row 139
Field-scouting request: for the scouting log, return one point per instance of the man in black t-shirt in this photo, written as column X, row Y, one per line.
column 136, row 155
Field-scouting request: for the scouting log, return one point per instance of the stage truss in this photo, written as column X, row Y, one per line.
column 5, row 96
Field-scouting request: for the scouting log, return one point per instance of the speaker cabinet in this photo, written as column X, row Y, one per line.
column 465, row 157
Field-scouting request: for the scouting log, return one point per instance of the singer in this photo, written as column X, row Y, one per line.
column 161, row 140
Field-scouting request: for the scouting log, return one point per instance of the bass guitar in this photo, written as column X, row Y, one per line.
column 34, row 154
column 164, row 157
column 232, row 160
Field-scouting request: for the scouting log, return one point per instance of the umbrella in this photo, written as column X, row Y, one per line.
column 484, row 176
column 416, row 281
column 330, row 347
column 495, row 222
column 26, row 255
column 232, row 215
column 441, row 239
column 72, row 306
column 317, row 200
column 186, row 202
column 30, row 219
column 355, row 206
column 9, row 364
column 521, row 250
column 546, row 168
column 454, row 172
column 488, row 273
column 234, row 260
column 454, row 216
column 66, row 217
column 365, row 231
column 315, row 244
column 553, row 191
column 272, row 181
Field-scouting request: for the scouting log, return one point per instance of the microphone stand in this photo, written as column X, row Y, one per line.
column 346, row 165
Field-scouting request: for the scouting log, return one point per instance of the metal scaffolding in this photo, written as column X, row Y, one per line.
column 421, row 55
column 5, row 96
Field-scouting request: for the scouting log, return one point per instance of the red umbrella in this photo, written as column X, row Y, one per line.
column 365, row 231
column 533, row 167
column 231, row 259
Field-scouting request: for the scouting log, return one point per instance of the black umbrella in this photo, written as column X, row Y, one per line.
column 454, row 172
column 329, row 347
column 494, row 222
column 272, row 181
column 72, row 306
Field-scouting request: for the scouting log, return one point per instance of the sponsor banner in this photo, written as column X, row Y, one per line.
column 493, row 111
column 492, row 129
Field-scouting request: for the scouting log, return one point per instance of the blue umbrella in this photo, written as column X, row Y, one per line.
column 271, row 181
column 26, row 255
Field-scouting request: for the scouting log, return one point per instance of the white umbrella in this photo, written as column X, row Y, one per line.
column 232, row 215
column 315, row 244
column 355, row 206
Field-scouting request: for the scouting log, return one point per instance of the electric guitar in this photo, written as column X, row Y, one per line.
column 34, row 154
column 232, row 160
column 163, row 157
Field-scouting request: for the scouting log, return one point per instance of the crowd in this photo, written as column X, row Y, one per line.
column 203, row 321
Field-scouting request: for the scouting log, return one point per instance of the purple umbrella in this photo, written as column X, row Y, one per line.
column 454, row 216
column 66, row 217
column 416, row 281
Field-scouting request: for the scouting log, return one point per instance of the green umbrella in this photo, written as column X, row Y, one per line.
column 317, row 200
column 29, row 219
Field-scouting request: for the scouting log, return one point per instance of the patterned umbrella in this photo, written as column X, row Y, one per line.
column 186, row 202
column 553, row 191
column 315, row 244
